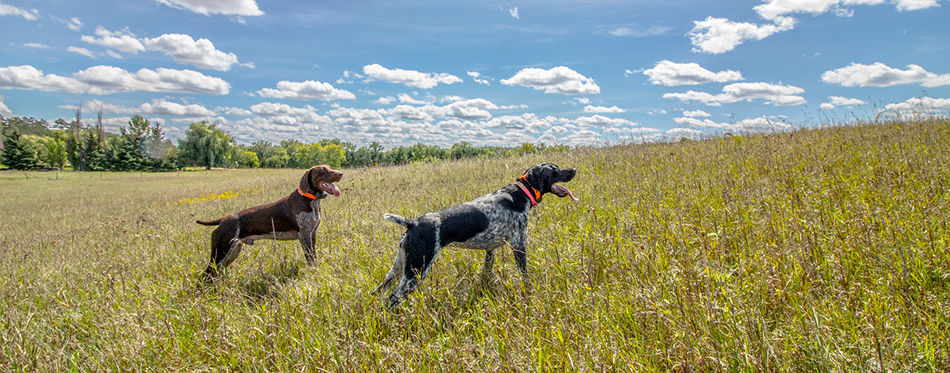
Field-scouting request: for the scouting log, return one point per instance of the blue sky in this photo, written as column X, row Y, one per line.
column 490, row 73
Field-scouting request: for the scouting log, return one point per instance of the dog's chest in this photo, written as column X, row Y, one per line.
column 308, row 221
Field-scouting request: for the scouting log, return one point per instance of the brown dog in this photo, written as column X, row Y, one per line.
column 295, row 217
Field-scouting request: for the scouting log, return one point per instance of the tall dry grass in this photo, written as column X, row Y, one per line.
column 815, row 250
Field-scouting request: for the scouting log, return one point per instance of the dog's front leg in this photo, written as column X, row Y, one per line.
column 308, row 224
column 308, row 236
column 487, row 267
column 518, row 244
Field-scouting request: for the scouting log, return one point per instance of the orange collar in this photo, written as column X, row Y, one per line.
column 308, row 195
column 534, row 195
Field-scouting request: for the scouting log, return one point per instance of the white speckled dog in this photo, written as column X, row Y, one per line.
column 485, row 223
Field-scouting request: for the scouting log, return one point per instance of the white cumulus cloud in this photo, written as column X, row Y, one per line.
column 27, row 14
column 719, row 35
column 903, row 5
column 559, row 79
column 696, row 113
column 122, row 40
column 101, row 80
column 670, row 73
column 918, row 108
column 82, row 51
column 306, row 90
column 73, row 23
column 881, row 75
column 156, row 107
column 4, row 110
column 208, row 7
column 835, row 101
column 761, row 124
column 270, row 109
column 776, row 94
column 182, row 48
column 774, row 9
column 30, row 78
column 408, row 77
column 602, row 109
column 602, row 121
column 477, row 77
column 186, row 50
column 112, row 78
column 407, row 99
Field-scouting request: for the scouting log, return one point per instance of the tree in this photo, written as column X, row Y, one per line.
column 85, row 147
column 139, row 147
column 18, row 152
column 465, row 149
column 54, row 151
column 264, row 150
column 244, row 158
column 309, row 155
column 24, row 125
column 365, row 156
column 278, row 159
column 205, row 145
column 290, row 146
column 335, row 155
column 159, row 152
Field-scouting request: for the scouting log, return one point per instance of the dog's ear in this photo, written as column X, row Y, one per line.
column 535, row 176
column 543, row 176
column 305, row 184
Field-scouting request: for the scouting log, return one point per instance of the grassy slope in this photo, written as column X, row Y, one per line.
column 815, row 250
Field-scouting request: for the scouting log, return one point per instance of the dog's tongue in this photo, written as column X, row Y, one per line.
column 330, row 188
column 562, row 191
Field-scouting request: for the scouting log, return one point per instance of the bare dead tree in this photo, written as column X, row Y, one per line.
column 2, row 119
column 81, row 147
column 100, row 128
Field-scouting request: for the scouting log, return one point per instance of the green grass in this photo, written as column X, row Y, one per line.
column 816, row 250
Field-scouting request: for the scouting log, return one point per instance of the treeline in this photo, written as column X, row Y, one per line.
column 31, row 144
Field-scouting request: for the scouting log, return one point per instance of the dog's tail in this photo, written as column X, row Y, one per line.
column 408, row 223
column 213, row 222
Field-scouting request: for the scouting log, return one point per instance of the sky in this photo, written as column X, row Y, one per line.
column 492, row 73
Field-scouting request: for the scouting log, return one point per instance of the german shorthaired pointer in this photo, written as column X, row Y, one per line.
column 295, row 217
column 485, row 223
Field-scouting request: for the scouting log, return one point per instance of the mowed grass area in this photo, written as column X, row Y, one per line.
column 817, row 250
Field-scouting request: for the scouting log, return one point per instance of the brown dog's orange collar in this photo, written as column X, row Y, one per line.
column 534, row 195
column 308, row 195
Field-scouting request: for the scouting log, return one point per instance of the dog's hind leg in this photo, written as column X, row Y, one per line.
column 223, row 249
column 236, row 246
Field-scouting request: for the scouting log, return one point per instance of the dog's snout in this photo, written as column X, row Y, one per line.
column 568, row 174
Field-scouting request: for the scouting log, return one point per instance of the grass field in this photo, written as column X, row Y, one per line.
column 817, row 250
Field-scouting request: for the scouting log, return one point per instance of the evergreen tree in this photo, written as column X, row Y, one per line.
column 17, row 152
